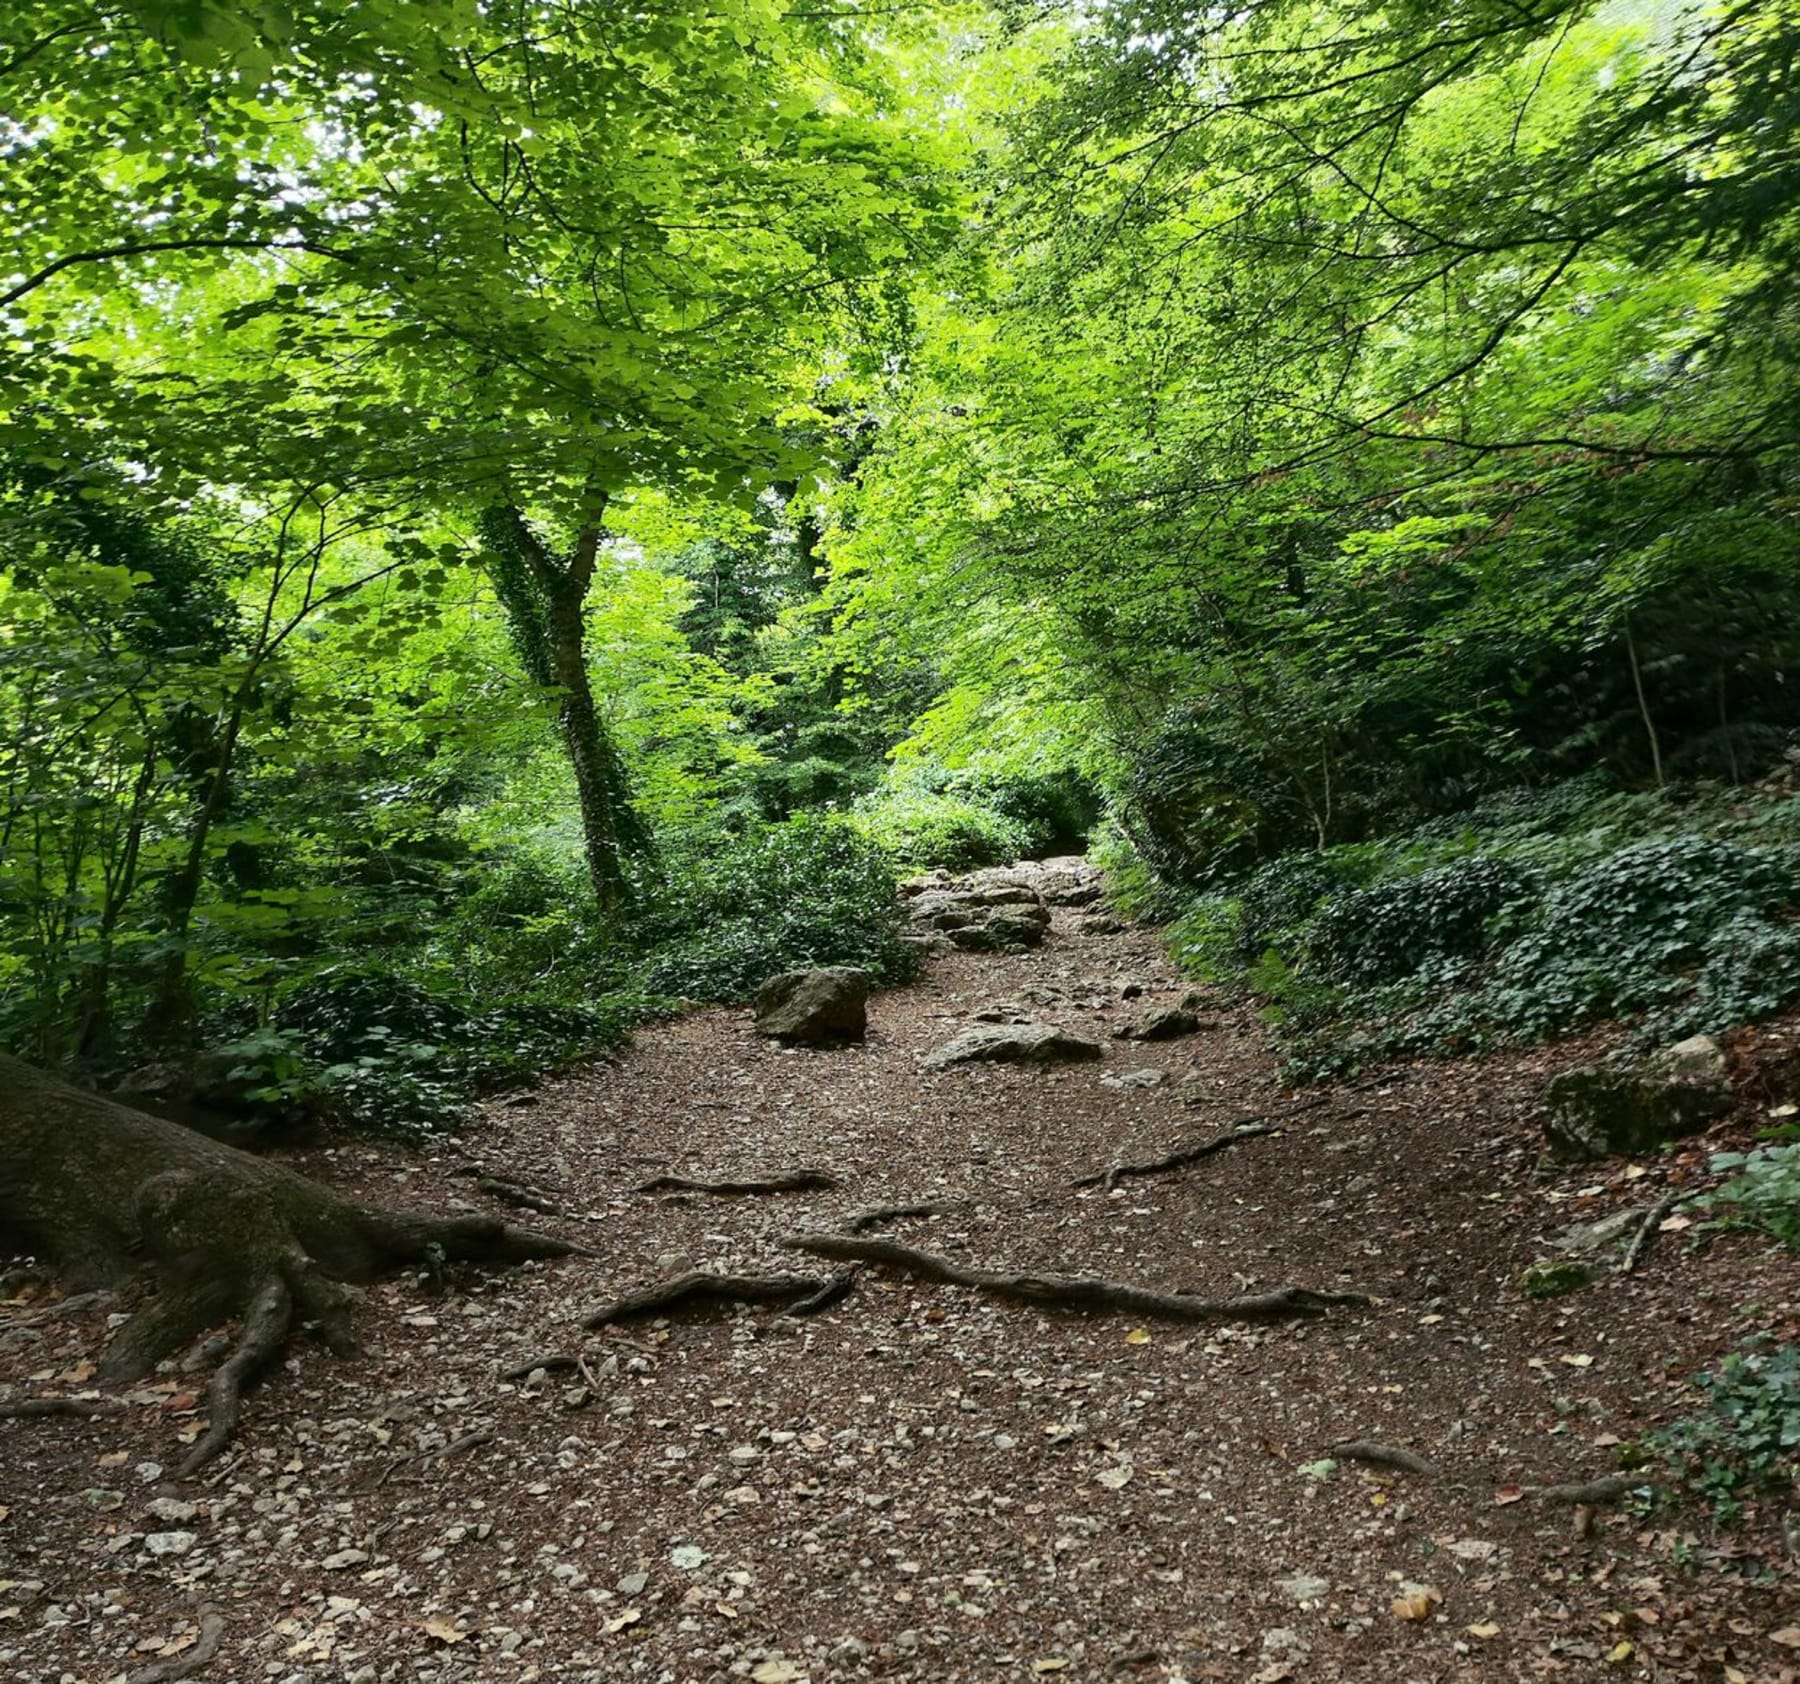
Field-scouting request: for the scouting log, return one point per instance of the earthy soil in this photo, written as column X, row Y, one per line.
column 922, row 1482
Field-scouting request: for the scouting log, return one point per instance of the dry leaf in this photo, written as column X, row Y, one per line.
column 1620, row 1652
column 775, row 1672
column 1484, row 1630
column 1509, row 1494
column 1138, row 1336
column 1416, row 1602
column 445, row 1629
column 1674, row 1224
column 1050, row 1663
column 5, row 1512
column 1788, row 1637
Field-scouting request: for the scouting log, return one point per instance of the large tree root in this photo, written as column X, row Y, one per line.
column 1382, row 1456
column 98, row 1191
column 698, row 1287
column 1075, row 1292
column 864, row 1220
column 1250, row 1129
column 787, row 1181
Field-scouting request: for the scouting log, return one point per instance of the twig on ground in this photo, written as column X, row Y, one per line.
column 468, row 1441
column 1645, row 1237
column 1382, row 1455
column 1073, row 1292
column 190, row 1661
column 786, row 1181
column 698, row 1286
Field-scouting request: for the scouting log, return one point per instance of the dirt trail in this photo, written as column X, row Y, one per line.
column 923, row 1482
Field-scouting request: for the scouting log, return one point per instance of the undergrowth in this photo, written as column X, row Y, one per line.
column 1529, row 917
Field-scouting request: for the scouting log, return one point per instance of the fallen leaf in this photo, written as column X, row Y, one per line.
column 5, row 1512
column 1620, row 1652
column 1788, row 1637
column 1674, row 1224
column 1484, row 1630
column 1509, row 1494
column 445, row 1629
column 775, row 1672
column 1137, row 1336
column 1416, row 1602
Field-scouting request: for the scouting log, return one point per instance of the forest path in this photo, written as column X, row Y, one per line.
column 924, row 1482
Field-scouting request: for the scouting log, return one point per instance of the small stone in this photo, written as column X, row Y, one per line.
column 633, row 1584
column 1304, row 1587
column 337, row 1562
column 169, row 1543
column 171, row 1509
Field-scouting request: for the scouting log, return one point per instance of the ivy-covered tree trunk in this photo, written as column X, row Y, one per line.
column 98, row 1191
column 544, row 599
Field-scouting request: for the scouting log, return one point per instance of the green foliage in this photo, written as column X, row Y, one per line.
column 1393, row 929
column 1745, row 1442
column 811, row 891
column 1763, row 1190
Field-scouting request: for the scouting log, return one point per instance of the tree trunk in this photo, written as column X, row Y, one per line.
column 97, row 1190
column 545, row 599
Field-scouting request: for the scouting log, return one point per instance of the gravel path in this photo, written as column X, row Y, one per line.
column 925, row 1482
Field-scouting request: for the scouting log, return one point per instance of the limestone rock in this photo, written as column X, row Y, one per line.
column 814, row 1007
column 1160, row 1023
column 1606, row 1110
column 1013, row 1043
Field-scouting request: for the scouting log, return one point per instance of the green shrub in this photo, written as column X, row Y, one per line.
column 1765, row 1191
column 921, row 831
column 811, row 891
column 1747, row 1438
column 1390, row 930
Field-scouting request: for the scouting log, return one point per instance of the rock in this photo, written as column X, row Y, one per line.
column 1006, row 927
column 1098, row 924
column 1554, row 1279
column 1604, row 1110
column 1304, row 1587
column 1162, row 1023
column 171, row 1510
column 1013, row 1043
column 814, row 1007
column 169, row 1543
column 1136, row 1079
column 336, row 1563
column 1697, row 1059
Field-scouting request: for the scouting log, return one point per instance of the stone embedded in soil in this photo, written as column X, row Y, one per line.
column 169, row 1543
column 816, row 1007
column 1018, row 1043
column 1605, row 1110
column 1163, row 1023
column 1137, row 1079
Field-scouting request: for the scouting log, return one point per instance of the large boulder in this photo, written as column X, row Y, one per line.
column 1013, row 1043
column 1612, row 1110
column 826, row 1005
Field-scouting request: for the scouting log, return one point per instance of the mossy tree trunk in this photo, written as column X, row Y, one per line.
column 99, row 1191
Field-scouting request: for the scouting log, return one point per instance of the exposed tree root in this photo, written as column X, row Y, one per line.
column 697, row 1286
column 864, row 1220
column 1645, row 1237
column 838, row 1287
column 471, row 1440
column 521, row 1195
column 787, row 1181
column 1382, row 1456
column 266, row 1326
column 1074, row 1292
column 1587, row 1493
column 38, row 1408
column 190, row 1661
column 1250, row 1129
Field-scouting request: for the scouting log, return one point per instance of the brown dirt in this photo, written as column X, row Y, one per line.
column 922, row 1483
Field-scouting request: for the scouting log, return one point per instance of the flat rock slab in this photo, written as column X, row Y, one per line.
column 1013, row 1043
